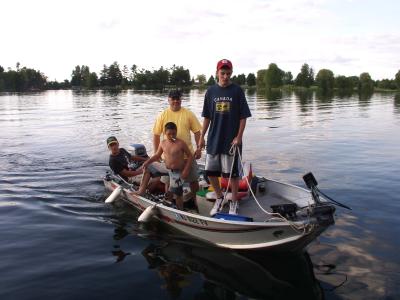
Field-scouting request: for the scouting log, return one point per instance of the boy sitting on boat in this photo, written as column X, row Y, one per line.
column 119, row 162
column 174, row 150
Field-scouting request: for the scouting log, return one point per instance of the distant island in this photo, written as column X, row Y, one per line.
column 23, row 79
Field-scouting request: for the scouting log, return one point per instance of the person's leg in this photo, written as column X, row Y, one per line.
column 165, row 180
column 143, row 183
column 216, row 186
column 235, row 188
column 179, row 202
column 154, row 184
column 193, row 178
column 213, row 171
column 230, row 169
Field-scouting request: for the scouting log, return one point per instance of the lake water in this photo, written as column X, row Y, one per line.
column 60, row 241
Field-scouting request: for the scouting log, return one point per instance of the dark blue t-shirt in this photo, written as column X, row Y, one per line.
column 120, row 161
column 225, row 107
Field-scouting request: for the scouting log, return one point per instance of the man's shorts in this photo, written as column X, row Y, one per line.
column 157, row 169
column 221, row 164
column 192, row 177
column 175, row 182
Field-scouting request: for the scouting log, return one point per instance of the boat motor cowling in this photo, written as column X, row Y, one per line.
column 137, row 150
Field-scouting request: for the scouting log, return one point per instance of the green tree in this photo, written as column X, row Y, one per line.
column 287, row 78
column 103, row 76
column 114, row 76
column 305, row 77
column 397, row 79
column 201, row 79
column 211, row 80
column 325, row 80
column 24, row 79
column 386, row 84
column 251, row 79
column 82, row 77
column 180, row 76
column 160, row 78
column 344, row 83
column 260, row 81
column 365, row 84
column 125, row 76
column 241, row 79
column 76, row 76
column 273, row 76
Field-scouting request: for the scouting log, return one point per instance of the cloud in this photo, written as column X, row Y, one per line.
column 154, row 33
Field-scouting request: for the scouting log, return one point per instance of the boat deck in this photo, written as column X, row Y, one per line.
column 248, row 206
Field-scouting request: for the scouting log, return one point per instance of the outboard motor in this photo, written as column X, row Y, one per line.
column 137, row 150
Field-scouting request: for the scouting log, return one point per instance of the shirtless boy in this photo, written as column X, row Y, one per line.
column 178, row 168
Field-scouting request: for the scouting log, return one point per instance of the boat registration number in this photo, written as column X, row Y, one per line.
column 191, row 220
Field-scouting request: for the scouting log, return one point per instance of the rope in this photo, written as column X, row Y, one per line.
column 298, row 228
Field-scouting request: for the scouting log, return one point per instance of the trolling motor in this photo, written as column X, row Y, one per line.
column 312, row 183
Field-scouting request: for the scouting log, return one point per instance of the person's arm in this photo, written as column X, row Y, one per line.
column 189, row 161
column 130, row 173
column 206, row 124
column 197, row 152
column 138, row 158
column 156, row 142
column 238, row 139
column 155, row 157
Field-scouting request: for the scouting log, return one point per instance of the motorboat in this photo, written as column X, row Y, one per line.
column 272, row 214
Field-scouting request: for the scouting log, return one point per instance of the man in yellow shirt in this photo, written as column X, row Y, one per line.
column 186, row 122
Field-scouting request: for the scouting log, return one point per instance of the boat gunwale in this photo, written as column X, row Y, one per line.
column 211, row 219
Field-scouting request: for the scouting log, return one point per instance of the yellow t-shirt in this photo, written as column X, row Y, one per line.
column 185, row 121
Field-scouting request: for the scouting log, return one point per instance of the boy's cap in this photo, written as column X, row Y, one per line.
column 111, row 139
column 224, row 63
column 175, row 94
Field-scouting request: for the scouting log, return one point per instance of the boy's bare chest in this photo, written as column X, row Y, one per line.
column 173, row 149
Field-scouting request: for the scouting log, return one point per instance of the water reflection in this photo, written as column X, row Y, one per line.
column 305, row 99
column 251, row 91
column 364, row 98
column 324, row 99
column 271, row 99
column 324, row 95
column 344, row 93
column 396, row 103
column 225, row 273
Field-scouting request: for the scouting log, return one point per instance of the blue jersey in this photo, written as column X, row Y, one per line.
column 225, row 107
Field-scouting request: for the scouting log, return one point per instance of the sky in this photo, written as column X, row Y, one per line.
column 346, row 36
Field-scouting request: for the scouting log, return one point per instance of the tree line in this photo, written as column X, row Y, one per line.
column 21, row 79
column 114, row 76
column 132, row 77
column 324, row 80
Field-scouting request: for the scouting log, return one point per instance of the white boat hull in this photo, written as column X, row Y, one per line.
column 259, row 234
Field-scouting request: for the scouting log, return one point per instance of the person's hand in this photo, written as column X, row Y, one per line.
column 197, row 153
column 237, row 141
column 202, row 143
column 145, row 164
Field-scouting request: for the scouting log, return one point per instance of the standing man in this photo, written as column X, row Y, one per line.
column 186, row 122
column 225, row 112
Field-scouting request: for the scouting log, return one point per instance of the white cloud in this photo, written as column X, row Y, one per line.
column 54, row 36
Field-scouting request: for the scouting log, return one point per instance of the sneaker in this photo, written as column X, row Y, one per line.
column 219, row 203
column 233, row 207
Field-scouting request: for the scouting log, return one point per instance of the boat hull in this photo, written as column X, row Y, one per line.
column 273, row 235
